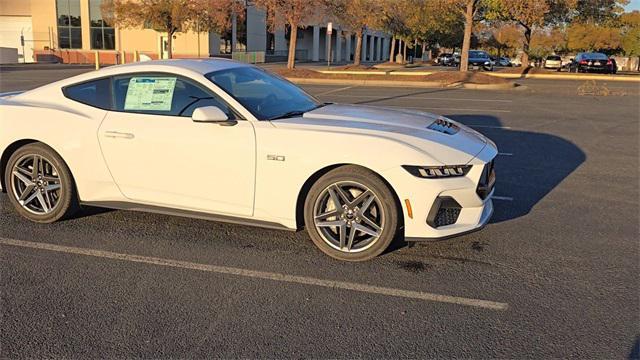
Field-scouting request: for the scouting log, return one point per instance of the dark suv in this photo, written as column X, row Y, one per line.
column 480, row 59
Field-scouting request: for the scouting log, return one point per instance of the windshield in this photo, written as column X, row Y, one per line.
column 265, row 95
column 553, row 58
column 477, row 54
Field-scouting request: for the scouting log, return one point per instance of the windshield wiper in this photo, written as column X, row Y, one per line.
column 289, row 114
column 295, row 113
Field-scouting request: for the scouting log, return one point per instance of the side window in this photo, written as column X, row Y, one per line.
column 95, row 93
column 163, row 95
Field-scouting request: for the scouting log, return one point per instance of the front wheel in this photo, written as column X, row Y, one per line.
column 351, row 214
column 40, row 185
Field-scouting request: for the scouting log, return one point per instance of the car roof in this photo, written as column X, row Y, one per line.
column 202, row 66
column 183, row 67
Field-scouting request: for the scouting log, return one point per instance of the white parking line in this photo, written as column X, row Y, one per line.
column 336, row 90
column 505, row 154
column 446, row 108
column 489, row 126
column 304, row 280
column 396, row 97
column 505, row 198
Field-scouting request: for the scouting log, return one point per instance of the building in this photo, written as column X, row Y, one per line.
column 72, row 30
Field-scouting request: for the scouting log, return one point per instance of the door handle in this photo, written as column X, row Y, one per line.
column 118, row 135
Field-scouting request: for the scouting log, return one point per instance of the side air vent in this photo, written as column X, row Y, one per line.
column 445, row 211
column 444, row 126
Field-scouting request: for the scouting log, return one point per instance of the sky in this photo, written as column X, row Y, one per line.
column 633, row 5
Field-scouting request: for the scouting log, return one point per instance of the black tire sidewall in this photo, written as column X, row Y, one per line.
column 67, row 204
column 382, row 191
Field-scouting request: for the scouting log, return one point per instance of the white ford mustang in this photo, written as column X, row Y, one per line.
column 220, row 140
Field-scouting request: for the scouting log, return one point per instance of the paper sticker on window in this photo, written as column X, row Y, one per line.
column 150, row 93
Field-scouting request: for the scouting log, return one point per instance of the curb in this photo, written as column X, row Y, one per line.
column 382, row 83
column 509, row 86
column 376, row 72
column 627, row 78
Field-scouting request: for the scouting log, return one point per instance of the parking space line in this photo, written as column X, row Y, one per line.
column 505, row 198
column 304, row 280
column 336, row 90
column 505, row 154
column 489, row 126
column 446, row 108
column 417, row 98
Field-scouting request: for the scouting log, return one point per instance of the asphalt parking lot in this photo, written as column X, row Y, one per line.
column 554, row 275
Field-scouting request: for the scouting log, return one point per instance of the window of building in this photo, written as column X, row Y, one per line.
column 69, row 28
column 103, row 35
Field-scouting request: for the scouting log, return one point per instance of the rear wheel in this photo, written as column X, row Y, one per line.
column 40, row 185
column 351, row 214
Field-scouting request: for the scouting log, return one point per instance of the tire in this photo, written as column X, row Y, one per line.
column 358, row 185
column 52, row 184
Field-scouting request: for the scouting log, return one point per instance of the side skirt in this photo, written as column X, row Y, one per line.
column 121, row 205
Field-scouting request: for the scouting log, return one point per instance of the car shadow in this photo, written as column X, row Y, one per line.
column 529, row 165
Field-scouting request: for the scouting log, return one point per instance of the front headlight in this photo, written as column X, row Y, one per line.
column 437, row 172
column 487, row 63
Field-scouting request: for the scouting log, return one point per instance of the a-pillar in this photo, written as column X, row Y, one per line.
column 315, row 50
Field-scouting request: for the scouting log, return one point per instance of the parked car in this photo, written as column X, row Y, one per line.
column 446, row 59
column 479, row 59
column 591, row 62
column 553, row 62
column 227, row 141
column 504, row 61
column 614, row 66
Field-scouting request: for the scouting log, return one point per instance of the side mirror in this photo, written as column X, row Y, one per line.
column 211, row 114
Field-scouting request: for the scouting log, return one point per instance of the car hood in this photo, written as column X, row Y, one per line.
column 409, row 127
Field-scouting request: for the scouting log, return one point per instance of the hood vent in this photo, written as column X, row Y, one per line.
column 444, row 126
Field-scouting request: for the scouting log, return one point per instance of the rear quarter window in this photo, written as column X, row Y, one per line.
column 96, row 93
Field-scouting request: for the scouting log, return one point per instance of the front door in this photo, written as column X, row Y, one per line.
column 158, row 156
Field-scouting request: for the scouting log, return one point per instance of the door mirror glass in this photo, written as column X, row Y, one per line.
column 209, row 114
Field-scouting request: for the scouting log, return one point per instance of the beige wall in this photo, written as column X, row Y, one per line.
column 43, row 17
column 15, row 7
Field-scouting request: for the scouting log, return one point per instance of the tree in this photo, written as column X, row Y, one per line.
column 526, row 13
column 295, row 13
column 171, row 16
column 593, row 37
column 506, row 38
column 468, row 9
column 598, row 11
column 393, row 21
column 356, row 15
column 630, row 32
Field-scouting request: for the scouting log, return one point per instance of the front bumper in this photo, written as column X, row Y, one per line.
column 468, row 205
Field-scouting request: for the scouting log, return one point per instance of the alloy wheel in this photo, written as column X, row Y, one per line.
column 36, row 184
column 349, row 216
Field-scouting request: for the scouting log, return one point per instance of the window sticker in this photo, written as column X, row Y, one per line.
column 150, row 93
